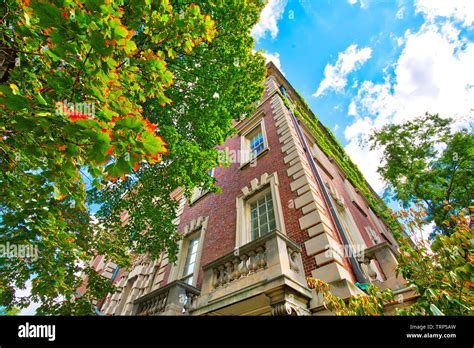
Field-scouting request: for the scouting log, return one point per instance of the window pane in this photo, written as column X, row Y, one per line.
column 194, row 247
column 262, row 217
column 253, row 209
column 271, row 224
column 191, row 259
column 256, row 142
column 188, row 280
column 189, row 269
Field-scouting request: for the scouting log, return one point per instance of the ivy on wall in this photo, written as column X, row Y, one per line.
column 328, row 143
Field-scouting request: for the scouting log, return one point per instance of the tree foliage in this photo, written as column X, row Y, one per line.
column 371, row 304
column 215, row 84
column 425, row 160
column 441, row 272
column 429, row 169
column 103, row 95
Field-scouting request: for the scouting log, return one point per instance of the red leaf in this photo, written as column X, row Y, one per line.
column 110, row 151
column 74, row 116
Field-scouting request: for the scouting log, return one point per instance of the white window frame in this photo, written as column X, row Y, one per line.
column 248, row 212
column 197, row 226
column 245, row 154
column 184, row 254
column 193, row 274
column 260, row 187
column 347, row 221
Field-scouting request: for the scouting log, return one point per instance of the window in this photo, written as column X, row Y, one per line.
column 259, row 210
column 253, row 142
column 256, row 142
column 373, row 235
column 354, row 197
column 262, row 215
column 347, row 222
column 190, row 263
column 379, row 224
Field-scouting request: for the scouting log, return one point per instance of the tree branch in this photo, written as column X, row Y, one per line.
column 79, row 73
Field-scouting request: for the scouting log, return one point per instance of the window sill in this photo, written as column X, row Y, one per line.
column 262, row 153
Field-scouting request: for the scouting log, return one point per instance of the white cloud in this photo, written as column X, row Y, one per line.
column 427, row 230
column 269, row 17
column 352, row 109
column 433, row 73
column 275, row 58
column 335, row 76
column 400, row 41
column 459, row 10
column 363, row 3
column 336, row 127
column 358, row 128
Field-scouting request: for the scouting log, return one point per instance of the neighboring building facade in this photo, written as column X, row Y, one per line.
column 287, row 211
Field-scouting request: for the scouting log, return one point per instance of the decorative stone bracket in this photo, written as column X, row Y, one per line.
column 195, row 224
column 257, row 184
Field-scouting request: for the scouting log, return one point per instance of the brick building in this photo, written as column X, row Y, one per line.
column 288, row 210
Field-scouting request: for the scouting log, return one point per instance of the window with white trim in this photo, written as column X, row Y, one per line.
column 262, row 215
column 259, row 210
column 191, row 258
column 254, row 143
column 347, row 221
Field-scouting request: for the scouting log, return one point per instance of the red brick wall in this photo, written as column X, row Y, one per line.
column 221, row 208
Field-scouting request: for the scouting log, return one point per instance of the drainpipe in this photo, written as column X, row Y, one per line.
column 355, row 265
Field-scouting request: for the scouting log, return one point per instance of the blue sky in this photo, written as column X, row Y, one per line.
column 363, row 64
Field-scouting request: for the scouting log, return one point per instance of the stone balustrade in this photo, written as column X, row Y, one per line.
column 239, row 264
column 248, row 259
column 263, row 266
column 190, row 301
column 152, row 305
column 175, row 298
